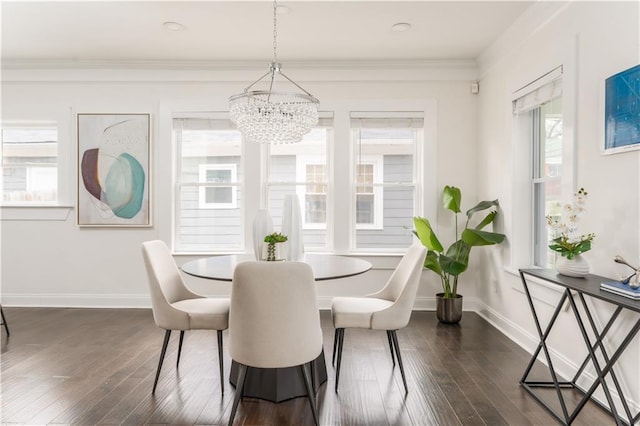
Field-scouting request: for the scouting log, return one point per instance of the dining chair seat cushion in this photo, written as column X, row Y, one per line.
column 356, row 312
column 205, row 313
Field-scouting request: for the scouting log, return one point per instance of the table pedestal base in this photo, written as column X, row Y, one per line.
column 279, row 384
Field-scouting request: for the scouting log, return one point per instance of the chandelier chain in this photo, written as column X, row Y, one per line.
column 275, row 31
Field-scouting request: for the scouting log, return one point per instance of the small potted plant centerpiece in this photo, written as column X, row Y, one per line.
column 454, row 261
column 272, row 248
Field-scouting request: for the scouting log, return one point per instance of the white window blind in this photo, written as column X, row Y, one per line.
column 538, row 92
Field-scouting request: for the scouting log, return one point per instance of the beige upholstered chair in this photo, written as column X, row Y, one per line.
column 175, row 307
column 274, row 321
column 388, row 309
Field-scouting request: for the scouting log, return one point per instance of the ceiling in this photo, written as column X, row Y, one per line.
column 243, row 30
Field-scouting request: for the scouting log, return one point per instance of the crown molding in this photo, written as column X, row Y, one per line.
column 35, row 64
column 19, row 71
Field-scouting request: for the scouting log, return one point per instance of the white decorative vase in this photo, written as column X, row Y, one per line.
column 262, row 226
column 575, row 267
column 292, row 227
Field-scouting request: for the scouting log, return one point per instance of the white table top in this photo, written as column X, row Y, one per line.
column 324, row 266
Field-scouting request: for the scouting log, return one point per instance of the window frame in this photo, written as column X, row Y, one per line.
column 423, row 161
column 520, row 209
column 177, row 184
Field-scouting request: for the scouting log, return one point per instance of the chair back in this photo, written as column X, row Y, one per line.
column 165, row 285
column 401, row 289
column 274, row 321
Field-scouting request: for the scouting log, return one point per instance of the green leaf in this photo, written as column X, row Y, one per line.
column 487, row 219
column 456, row 260
column 452, row 266
column 426, row 235
column 482, row 205
column 431, row 262
column 474, row 237
column 451, row 198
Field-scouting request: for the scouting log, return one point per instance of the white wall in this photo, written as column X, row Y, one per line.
column 593, row 40
column 56, row 263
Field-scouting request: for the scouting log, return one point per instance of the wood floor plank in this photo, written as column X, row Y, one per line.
column 97, row 366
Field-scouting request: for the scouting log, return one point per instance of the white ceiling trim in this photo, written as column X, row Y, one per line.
column 218, row 71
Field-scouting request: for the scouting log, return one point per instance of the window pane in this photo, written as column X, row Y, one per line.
column 547, row 179
column 315, row 208
column 208, row 218
column 365, row 209
column 30, row 164
column 218, row 176
column 219, row 195
column 384, row 182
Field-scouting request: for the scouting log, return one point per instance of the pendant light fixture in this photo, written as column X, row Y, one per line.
column 272, row 116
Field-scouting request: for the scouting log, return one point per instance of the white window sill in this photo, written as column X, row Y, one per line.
column 35, row 212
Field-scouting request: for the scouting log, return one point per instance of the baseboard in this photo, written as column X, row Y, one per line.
column 143, row 301
column 563, row 366
column 77, row 300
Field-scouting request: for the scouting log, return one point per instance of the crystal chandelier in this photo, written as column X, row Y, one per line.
column 270, row 116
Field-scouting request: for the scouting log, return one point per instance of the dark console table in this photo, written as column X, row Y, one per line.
column 581, row 287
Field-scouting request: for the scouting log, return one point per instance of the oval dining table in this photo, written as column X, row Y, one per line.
column 324, row 266
column 278, row 384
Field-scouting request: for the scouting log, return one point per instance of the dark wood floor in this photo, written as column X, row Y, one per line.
column 96, row 366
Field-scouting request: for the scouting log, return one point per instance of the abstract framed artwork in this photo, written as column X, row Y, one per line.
column 622, row 111
column 113, row 170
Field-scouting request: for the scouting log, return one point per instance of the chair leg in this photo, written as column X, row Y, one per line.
column 335, row 343
column 4, row 322
column 310, row 393
column 180, row 347
column 220, row 361
column 397, row 348
column 340, row 341
column 393, row 360
column 167, row 334
column 242, row 375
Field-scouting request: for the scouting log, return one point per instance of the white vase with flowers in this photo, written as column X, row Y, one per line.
column 569, row 243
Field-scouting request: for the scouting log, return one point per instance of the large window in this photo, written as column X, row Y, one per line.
column 29, row 164
column 303, row 169
column 384, row 189
column 357, row 183
column 208, row 185
column 539, row 114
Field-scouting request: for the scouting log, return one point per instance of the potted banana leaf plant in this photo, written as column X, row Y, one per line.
column 450, row 263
